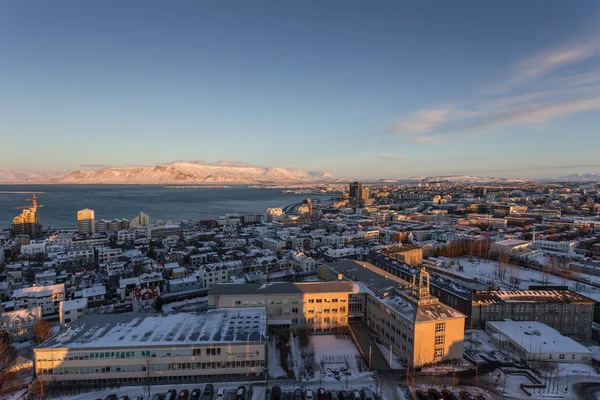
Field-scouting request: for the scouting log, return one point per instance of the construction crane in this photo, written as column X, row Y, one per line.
column 34, row 200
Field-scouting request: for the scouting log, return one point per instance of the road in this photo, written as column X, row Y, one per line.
column 587, row 390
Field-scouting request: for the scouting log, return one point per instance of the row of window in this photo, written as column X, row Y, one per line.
column 151, row 367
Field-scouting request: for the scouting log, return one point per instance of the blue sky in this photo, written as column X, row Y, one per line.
column 359, row 89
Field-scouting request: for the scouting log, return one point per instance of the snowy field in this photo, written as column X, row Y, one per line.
column 484, row 271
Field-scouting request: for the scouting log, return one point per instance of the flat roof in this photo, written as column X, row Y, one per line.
column 375, row 278
column 226, row 325
column 546, row 296
column 537, row 337
column 511, row 242
column 283, row 288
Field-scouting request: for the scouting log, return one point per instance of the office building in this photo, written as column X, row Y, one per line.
column 85, row 222
column 139, row 349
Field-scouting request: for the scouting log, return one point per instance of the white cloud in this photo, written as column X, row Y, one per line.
column 422, row 121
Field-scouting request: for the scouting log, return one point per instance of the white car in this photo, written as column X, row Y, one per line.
column 220, row 394
column 309, row 395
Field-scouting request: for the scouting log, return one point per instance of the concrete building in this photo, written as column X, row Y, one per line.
column 304, row 264
column 534, row 341
column 558, row 247
column 409, row 254
column 165, row 231
column 46, row 297
column 142, row 219
column 95, row 295
column 83, row 253
column 139, row 349
column 570, row 313
column 71, row 310
column 106, row 255
column 33, row 249
column 275, row 245
column 509, row 247
column 85, row 222
column 19, row 323
column 181, row 285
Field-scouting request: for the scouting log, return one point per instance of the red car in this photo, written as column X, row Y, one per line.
column 322, row 394
column 184, row 395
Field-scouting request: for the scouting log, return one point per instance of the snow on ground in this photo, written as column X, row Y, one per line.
column 483, row 270
column 395, row 361
column 275, row 368
column 335, row 354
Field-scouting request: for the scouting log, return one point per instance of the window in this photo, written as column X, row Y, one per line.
column 440, row 327
column 561, row 356
column 439, row 340
column 439, row 353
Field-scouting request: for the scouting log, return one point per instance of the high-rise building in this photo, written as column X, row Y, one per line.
column 28, row 223
column 140, row 220
column 85, row 222
column 355, row 189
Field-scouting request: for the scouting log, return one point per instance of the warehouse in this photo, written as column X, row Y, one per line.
column 133, row 349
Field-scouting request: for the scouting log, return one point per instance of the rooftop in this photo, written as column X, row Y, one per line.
column 536, row 337
column 142, row 330
column 548, row 296
column 74, row 304
column 283, row 288
column 375, row 278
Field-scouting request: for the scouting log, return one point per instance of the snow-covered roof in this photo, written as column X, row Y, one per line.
column 74, row 304
column 94, row 291
column 226, row 325
column 39, row 291
column 537, row 337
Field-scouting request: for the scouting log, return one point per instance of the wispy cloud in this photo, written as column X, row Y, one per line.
column 391, row 158
column 423, row 121
column 542, row 97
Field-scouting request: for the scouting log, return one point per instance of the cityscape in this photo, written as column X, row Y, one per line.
column 365, row 291
column 299, row 200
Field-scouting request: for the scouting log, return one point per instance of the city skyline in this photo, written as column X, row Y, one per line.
column 359, row 91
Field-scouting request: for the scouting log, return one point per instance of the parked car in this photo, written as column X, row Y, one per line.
column 209, row 392
column 308, row 395
column 124, row 398
column 112, row 397
column 466, row 395
column 435, row 395
column 171, row 394
column 322, row 394
column 220, row 394
column 298, row 395
column 366, row 394
column 196, row 394
column 448, row 395
column 241, row 393
column 334, row 395
column 276, row 393
column 184, row 395
column 355, row 395
column 343, row 395
column 421, row 395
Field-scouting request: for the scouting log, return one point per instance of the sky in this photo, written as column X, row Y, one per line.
column 382, row 89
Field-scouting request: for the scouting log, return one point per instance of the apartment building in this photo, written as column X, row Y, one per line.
column 566, row 247
column 139, row 349
column 106, row 255
column 85, row 222
column 180, row 285
column 48, row 298
column 71, row 310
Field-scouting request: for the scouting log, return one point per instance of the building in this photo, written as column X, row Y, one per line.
column 304, row 264
column 403, row 315
column 566, row 247
column 28, row 222
column 71, row 310
column 165, row 231
column 534, row 341
column 138, row 349
column 46, row 297
column 359, row 195
column 142, row 219
column 83, row 253
column 19, row 323
column 106, row 255
column 409, row 254
column 275, row 245
column 570, row 313
column 144, row 299
column 95, row 295
column 181, row 285
column 85, row 222
column 509, row 247
column 274, row 214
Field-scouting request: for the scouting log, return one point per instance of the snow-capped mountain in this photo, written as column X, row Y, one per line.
column 23, row 176
column 191, row 173
column 585, row 177
column 461, row 179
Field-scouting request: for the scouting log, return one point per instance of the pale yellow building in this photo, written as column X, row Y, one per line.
column 85, row 222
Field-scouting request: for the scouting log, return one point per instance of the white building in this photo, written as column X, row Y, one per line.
column 181, row 285
column 106, row 255
column 129, row 349
column 71, row 310
column 95, row 295
column 536, row 341
column 46, row 297
column 275, row 245
column 303, row 264
column 80, row 253
column 19, row 323
column 33, row 249
column 126, row 236
column 85, row 222
column 143, row 299
column 550, row 245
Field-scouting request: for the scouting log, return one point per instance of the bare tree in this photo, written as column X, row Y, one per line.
column 38, row 389
column 42, row 331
